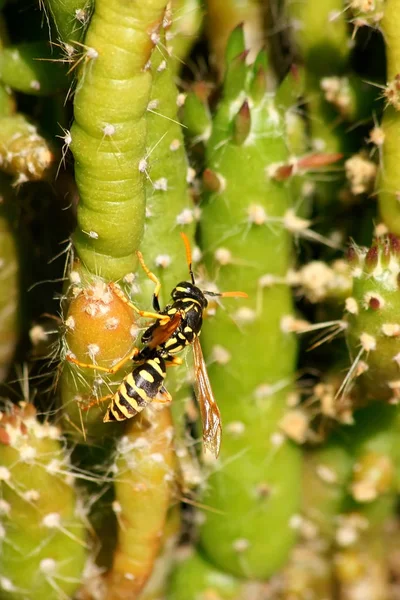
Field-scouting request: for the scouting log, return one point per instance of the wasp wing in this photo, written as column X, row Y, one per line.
column 210, row 414
column 162, row 333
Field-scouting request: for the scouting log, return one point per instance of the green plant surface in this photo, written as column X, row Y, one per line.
column 195, row 578
column 321, row 38
column 389, row 182
column 242, row 226
column 144, row 481
column 109, row 141
column 9, row 281
column 372, row 317
column 186, row 24
column 44, row 543
column 222, row 17
column 24, row 152
column 32, row 68
column 70, row 18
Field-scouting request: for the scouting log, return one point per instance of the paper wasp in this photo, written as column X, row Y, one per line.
column 176, row 326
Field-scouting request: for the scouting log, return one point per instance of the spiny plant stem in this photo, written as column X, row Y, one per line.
column 389, row 180
column 109, row 134
column 241, row 230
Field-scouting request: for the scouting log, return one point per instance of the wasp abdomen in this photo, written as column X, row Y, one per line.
column 137, row 390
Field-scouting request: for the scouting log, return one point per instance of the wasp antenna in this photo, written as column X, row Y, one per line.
column 227, row 294
column 234, row 295
column 188, row 255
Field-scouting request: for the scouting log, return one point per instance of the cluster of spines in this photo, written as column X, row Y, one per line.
column 373, row 318
column 43, row 534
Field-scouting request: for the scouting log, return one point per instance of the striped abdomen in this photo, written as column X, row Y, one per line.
column 138, row 389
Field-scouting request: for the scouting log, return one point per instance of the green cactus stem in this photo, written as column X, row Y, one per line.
column 169, row 209
column 24, row 153
column 194, row 577
column 373, row 319
column 109, row 134
column 321, row 38
column 223, row 16
column 156, row 586
column 258, row 465
column 70, row 18
column 32, row 68
column 187, row 21
column 144, row 484
column 9, row 283
column 389, row 181
column 326, row 476
column 43, row 535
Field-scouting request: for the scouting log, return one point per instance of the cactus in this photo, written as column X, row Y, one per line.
column 388, row 183
column 371, row 309
column 252, row 392
column 44, row 542
column 267, row 147
column 9, row 282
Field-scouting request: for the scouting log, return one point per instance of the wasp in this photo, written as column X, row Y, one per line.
column 176, row 326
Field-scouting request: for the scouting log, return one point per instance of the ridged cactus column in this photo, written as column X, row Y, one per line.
column 9, row 282
column 108, row 138
column 373, row 319
column 389, row 184
column 249, row 347
column 43, row 536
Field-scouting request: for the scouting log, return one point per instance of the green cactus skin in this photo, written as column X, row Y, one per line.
column 373, row 441
column 24, row 153
column 195, row 579
column 326, row 476
column 144, row 468
column 222, row 18
column 109, row 134
column 197, row 118
column 9, row 283
column 373, row 317
column 389, row 180
column 32, row 68
column 70, row 17
column 187, row 21
column 259, row 469
column 320, row 33
column 169, row 209
column 43, row 536
column 156, row 586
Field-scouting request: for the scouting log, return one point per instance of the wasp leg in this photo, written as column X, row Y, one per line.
column 163, row 397
column 96, row 401
column 173, row 361
column 110, row 370
column 143, row 313
column 154, row 279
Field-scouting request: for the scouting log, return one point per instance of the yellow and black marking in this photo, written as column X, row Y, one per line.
column 188, row 302
column 138, row 389
column 177, row 326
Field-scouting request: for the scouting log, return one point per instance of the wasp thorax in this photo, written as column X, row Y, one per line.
column 185, row 289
